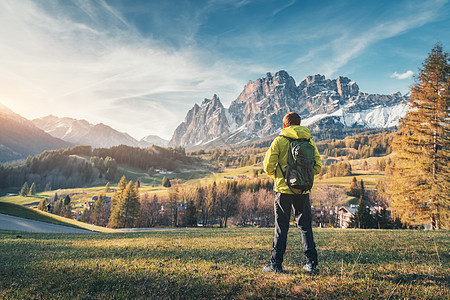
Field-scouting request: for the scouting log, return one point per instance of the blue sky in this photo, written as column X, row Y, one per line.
column 139, row 66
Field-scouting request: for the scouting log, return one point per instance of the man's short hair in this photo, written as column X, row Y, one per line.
column 291, row 119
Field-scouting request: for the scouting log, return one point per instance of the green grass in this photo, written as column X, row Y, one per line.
column 224, row 264
column 28, row 213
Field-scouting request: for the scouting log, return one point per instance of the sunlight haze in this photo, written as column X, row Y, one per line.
column 139, row 66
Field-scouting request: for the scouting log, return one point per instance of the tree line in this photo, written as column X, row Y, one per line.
column 247, row 202
column 81, row 166
column 146, row 158
column 49, row 170
column 356, row 147
column 231, row 158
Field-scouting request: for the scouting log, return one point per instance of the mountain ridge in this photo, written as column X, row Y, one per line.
column 81, row 132
column 20, row 137
column 324, row 104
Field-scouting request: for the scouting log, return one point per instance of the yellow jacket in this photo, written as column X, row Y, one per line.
column 278, row 154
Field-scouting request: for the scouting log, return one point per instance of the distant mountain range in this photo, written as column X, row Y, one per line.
column 81, row 132
column 19, row 137
column 330, row 108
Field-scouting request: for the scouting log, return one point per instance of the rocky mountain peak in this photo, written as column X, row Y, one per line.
column 346, row 87
column 282, row 77
column 324, row 104
column 202, row 123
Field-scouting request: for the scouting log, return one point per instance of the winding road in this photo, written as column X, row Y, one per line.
column 8, row 222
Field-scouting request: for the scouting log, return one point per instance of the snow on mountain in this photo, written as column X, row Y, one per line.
column 81, row 132
column 151, row 140
column 324, row 105
column 377, row 117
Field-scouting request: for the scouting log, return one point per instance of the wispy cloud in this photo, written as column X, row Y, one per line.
column 139, row 67
column 352, row 42
column 102, row 64
column 280, row 9
column 402, row 76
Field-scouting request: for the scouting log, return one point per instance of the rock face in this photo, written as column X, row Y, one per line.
column 323, row 104
column 19, row 137
column 202, row 124
column 264, row 102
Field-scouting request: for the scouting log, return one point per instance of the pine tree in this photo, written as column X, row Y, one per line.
column 125, row 210
column 42, row 205
column 362, row 218
column 32, row 190
column 166, row 182
column 174, row 196
column 67, row 200
column 107, row 187
column 420, row 183
column 99, row 212
column 354, row 189
column 24, row 190
column 115, row 219
column 130, row 205
column 200, row 204
column 211, row 200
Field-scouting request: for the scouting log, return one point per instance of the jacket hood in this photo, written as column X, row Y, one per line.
column 296, row 132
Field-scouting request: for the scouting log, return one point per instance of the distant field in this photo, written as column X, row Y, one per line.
column 224, row 264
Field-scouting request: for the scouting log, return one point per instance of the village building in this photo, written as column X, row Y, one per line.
column 344, row 215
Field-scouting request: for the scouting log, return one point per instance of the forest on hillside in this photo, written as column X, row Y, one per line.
column 83, row 166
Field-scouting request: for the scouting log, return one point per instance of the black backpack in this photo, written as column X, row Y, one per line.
column 299, row 173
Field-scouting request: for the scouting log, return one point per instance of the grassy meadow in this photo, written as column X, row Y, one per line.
column 223, row 264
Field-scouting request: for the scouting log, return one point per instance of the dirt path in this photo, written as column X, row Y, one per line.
column 20, row 224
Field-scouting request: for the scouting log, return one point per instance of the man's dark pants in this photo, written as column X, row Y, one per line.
column 302, row 212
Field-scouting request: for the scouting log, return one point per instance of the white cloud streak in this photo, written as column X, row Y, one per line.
column 280, row 9
column 351, row 42
column 82, row 69
column 402, row 76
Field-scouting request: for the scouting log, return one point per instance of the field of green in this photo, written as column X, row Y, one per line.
column 224, row 264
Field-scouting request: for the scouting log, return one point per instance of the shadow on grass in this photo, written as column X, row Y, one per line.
column 207, row 264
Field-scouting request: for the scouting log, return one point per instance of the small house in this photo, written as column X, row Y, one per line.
column 345, row 214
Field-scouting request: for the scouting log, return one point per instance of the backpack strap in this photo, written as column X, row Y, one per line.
column 292, row 139
column 288, row 138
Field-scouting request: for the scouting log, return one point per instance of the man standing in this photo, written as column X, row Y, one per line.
column 287, row 198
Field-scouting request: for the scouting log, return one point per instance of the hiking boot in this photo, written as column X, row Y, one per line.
column 272, row 268
column 310, row 267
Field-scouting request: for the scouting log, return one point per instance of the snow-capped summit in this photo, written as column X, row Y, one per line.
column 324, row 105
